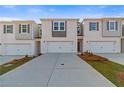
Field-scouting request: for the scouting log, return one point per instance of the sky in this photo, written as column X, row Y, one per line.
column 36, row 12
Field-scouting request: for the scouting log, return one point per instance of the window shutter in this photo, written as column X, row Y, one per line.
column 97, row 26
column 122, row 30
column 52, row 26
column 107, row 25
column 28, row 28
column 4, row 29
column 19, row 28
column 116, row 25
column 52, row 29
column 89, row 26
column 12, row 28
column 65, row 26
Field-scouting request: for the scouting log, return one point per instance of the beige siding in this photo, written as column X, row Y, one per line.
column 71, row 33
column 26, row 36
column 98, row 35
column 20, row 36
column 88, row 33
column 35, row 29
column 111, row 33
column 47, row 30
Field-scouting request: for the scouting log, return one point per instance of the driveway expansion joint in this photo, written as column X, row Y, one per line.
column 54, row 67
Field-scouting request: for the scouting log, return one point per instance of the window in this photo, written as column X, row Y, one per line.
column 8, row 28
column 56, row 26
column 24, row 28
column 112, row 26
column 59, row 26
column 62, row 26
column 93, row 26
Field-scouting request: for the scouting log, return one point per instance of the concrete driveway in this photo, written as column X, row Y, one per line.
column 55, row 70
column 118, row 58
column 5, row 59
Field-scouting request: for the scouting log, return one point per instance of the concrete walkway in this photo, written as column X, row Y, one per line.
column 54, row 70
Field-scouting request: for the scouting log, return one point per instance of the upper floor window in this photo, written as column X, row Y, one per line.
column 8, row 28
column 59, row 26
column 112, row 26
column 62, row 26
column 24, row 28
column 93, row 26
column 56, row 26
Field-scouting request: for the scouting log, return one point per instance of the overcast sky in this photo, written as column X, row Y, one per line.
column 35, row 12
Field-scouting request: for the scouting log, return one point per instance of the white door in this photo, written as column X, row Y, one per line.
column 17, row 49
column 59, row 47
column 102, row 47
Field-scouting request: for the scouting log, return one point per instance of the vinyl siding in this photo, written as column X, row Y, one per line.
column 106, row 31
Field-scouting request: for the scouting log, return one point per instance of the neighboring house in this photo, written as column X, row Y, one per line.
column 59, row 35
column 103, row 35
column 18, row 37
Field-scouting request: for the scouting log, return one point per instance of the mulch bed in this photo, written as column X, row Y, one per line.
column 92, row 57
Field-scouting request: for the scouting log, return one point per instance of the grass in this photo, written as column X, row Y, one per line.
column 111, row 70
column 4, row 68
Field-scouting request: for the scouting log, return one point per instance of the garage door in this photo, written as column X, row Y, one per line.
column 17, row 49
column 59, row 47
column 102, row 47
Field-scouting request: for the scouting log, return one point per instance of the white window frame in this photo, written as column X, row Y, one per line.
column 26, row 29
column 6, row 31
column 95, row 26
column 114, row 26
column 58, row 25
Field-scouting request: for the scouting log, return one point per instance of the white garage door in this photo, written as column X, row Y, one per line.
column 17, row 49
column 102, row 47
column 59, row 47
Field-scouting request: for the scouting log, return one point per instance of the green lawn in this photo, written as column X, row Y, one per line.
column 13, row 64
column 111, row 70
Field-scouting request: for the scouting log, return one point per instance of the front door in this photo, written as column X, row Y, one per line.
column 79, row 46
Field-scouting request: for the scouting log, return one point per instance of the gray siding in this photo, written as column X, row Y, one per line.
column 58, row 33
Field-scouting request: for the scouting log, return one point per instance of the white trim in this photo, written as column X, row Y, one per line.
column 58, row 25
column 114, row 26
column 26, row 28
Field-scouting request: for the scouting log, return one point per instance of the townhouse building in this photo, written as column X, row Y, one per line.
column 62, row 35
column 59, row 35
column 19, row 37
column 103, row 35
